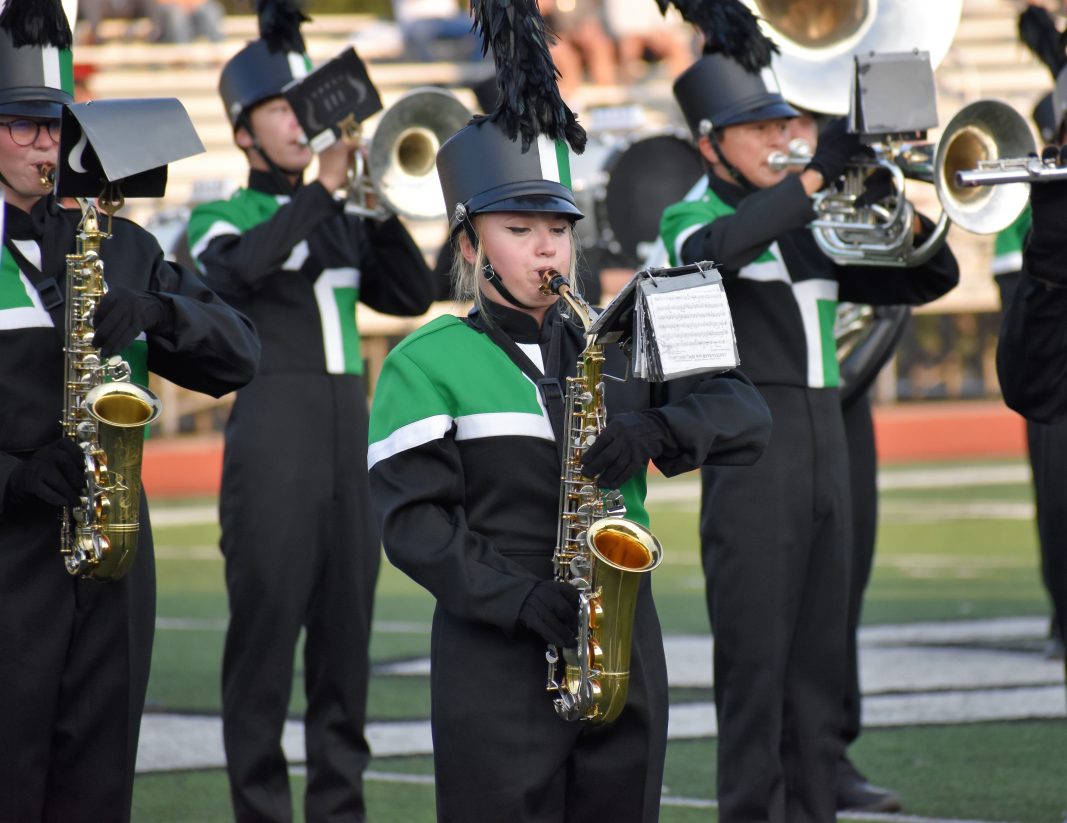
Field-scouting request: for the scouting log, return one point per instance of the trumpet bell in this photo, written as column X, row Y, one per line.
column 983, row 131
column 403, row 151
column 818, row 38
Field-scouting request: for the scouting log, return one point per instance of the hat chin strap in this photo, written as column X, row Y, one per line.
column 731, row 169
column 487, row 270
column 490, row 274
column 280, row 175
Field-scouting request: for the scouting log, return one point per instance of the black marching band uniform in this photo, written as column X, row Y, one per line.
column 775, row 537
column 465, row 475
column 75, row 653
column 1032, row 361
column 298, row 536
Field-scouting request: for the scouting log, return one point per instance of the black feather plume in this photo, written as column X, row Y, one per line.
column 513, row 31
column 729, row 28
column 36, row 23
column 1038, row 32
column 279, row 25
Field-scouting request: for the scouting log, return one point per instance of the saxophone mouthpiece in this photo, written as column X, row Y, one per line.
column 553, row 282
column 47, row 175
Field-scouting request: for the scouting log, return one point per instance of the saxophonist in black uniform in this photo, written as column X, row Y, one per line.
column 75, row 653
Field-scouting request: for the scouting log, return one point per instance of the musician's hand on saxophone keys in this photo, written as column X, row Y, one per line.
column 624, row 447
column 550, row 610
column 123, row 314
column 53, row 476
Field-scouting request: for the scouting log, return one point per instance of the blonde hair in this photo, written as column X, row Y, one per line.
column 466, row 276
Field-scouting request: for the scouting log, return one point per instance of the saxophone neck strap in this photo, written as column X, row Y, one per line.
column 549, row 384
column 48, row 288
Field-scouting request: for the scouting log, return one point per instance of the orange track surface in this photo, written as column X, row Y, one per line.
column 190, row 467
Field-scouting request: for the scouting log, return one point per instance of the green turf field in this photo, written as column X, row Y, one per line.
column 937, row 560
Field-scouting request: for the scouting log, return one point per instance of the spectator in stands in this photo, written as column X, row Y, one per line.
column 582, row 44
column 93, row 12
column 182, row 21
column 642, row 33
column 428, row 24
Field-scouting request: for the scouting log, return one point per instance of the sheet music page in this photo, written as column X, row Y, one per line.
column 694, row 330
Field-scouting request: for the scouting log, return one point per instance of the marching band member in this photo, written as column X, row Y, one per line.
column 465, row 480
column 775, row 538
column 1046, row 444
column 75, row 653
column 1032, row 349
column 301, row 548
column 854, row 791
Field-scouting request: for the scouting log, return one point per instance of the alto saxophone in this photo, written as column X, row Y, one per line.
column 106, row 416
column 601, row 555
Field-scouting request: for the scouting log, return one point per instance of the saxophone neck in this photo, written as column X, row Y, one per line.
column 553, row 282
column 89, row 231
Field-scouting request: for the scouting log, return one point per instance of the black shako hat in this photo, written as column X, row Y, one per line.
column 265, row 66
column 732, row 81
column 719, row 90
column 483, row 170
column 36, row 65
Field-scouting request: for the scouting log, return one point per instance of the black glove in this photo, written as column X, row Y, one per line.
column 877, row 187
column 551, row 611
column 836, row 147
column 54, row 475
column 122, row 314
column 625, row 446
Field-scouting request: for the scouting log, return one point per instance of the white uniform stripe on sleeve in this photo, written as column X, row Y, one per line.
column 408, row 437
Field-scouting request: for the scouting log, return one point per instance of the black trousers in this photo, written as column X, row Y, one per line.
column 301, row 551
column 502, row 754
column 774, row 540
column 1048, row 448
column 863, row 473
column 74, row 661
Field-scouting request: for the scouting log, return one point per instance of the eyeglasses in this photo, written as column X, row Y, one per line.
column 25, row 132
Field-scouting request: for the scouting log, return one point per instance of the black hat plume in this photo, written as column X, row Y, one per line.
column 1037, row 29
column 36, row 23
column 729, row 28
column 279, row 25
column 530, row 104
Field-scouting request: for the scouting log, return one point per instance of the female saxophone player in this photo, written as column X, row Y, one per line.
column 464, row 476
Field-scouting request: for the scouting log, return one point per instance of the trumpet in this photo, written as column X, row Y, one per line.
column 395, row 173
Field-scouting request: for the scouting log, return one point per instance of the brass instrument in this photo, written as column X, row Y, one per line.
column 106, row 416
column 399, row 170
column 47, row 175
column 984, row 146
column 602, row 556
column 818, row 42
column 797, row 157
column 879, row 233
column 818, row 38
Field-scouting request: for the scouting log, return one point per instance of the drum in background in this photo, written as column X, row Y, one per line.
column 623, row 186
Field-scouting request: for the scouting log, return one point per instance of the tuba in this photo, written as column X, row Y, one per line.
column 602, row 556
column 400, row 168
column 106, row 416
column 818, row 38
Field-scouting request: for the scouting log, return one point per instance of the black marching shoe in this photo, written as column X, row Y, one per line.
column 856, row 794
